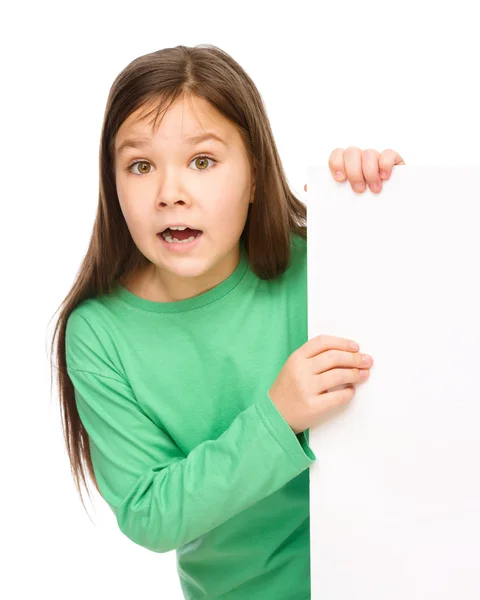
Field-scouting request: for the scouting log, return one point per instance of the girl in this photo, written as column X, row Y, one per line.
column 187, row 384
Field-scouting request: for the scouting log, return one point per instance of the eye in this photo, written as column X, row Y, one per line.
column 200, row 157
column 139, row 162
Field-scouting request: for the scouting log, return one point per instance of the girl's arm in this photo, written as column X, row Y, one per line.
column 163, row 499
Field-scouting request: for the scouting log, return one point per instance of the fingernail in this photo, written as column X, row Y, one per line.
column 375, row 187
column 339, row 174
column 383, row 174
column 358, row 187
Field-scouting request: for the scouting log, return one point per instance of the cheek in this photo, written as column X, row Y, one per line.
column 133, row 213
column 230, row 215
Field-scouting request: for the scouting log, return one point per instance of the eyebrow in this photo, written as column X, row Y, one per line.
column 192, row 141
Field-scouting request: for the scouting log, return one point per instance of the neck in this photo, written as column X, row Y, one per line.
column 159, row 285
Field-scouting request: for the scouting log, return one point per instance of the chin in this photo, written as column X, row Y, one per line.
column 186, row 267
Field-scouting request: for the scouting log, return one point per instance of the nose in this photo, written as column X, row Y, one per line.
column 171, row 190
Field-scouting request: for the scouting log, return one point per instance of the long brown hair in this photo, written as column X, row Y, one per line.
column 206, row 72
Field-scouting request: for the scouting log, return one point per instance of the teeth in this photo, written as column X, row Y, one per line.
column 168, row 238
column 177, row 228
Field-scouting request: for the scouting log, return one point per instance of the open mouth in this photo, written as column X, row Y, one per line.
column 177, row 236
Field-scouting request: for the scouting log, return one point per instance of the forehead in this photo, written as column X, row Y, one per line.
column 190, row 118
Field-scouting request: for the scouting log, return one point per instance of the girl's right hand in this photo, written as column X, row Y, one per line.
column 300, row 392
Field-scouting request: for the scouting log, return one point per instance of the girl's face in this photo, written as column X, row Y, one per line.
column 171, row 184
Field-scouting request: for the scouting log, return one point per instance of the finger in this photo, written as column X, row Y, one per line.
column 352, row 158
column 336, row 164
column 339, row 358
column 370, row 169
column 334, row 399
column 388, row 159
column 323, row 342
column 305, row 187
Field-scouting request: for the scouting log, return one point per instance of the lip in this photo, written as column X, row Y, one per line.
column 179, row 225
column 179, row 247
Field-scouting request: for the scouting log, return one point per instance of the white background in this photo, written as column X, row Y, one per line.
column 367, row 74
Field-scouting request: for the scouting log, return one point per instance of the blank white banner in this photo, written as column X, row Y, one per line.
column 395, row 489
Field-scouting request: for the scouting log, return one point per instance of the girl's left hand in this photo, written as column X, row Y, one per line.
column 359, row 166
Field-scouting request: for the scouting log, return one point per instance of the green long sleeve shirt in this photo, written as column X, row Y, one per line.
column 188, row 449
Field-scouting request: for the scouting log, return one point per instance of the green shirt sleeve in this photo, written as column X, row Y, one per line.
column 161, row 498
